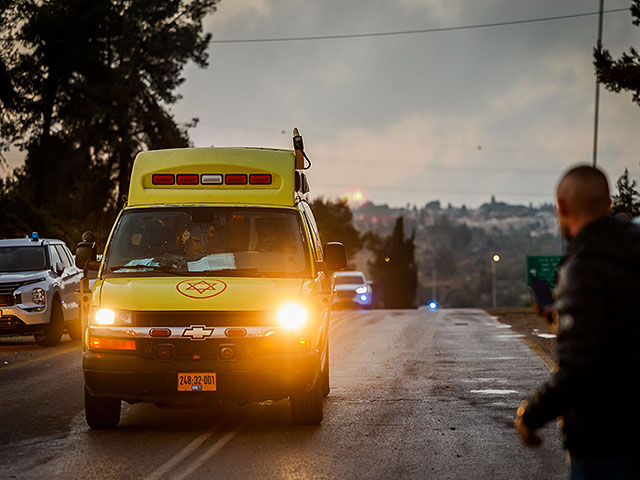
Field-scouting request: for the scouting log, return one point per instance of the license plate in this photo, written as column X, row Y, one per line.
column 197, row 382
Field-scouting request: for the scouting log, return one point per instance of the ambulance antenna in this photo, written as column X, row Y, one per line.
column 298, row 146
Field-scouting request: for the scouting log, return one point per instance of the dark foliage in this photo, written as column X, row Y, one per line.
column 84, row 86
column 335, row 223
column 628, row 199
column 393, row 267
column 622, row 73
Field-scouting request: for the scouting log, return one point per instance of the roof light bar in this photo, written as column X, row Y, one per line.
column 260, row 179
column 187, row 179
column 211, row 179
column 163, row 179
column 235, row 179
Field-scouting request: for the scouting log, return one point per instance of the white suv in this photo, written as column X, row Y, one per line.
column 38, row 281
column 352, row 289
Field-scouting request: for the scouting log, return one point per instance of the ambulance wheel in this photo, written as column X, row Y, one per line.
column 53, row 332
column 75, row 329
column 101, row 412
column 307, row 408
column 324, row 375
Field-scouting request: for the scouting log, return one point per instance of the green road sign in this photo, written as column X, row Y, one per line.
column 543, row 266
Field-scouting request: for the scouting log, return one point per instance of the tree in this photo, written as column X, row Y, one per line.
column 628, row 198
column 393, row 267
column 622, row 73
column 85, row 85
column 335, row 223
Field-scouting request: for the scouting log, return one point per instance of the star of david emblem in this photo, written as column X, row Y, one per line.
column 201, row 288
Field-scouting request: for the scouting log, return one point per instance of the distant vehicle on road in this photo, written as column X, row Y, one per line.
column 38, row 281
column 352, row 289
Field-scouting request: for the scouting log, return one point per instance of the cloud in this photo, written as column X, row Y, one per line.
column 456, row 115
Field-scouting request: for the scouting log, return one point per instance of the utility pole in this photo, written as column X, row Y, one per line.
column 433, row 283
column 597, row 105
column 494, row 291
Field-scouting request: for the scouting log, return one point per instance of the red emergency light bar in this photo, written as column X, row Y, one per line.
column 260, row 179
column 235, row 179
column 211, row 179
column 163, row 179
column 187, row 179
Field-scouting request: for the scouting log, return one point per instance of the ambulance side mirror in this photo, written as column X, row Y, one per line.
column 335, row 256
column 86, row 256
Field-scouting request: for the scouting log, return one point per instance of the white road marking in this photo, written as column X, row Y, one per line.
column 184, row 453
column 489, row 391
column 215, row 448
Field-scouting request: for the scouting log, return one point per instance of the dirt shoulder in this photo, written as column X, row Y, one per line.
column 535, row 330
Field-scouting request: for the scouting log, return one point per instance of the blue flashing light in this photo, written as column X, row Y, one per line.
column 34, row 236
column 363, row 298
column 432, row 305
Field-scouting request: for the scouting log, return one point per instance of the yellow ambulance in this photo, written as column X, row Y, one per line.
column 214, row 286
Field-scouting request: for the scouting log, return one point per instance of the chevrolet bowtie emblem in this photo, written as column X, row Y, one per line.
column 197, row 332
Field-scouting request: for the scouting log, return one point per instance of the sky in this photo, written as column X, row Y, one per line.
column 455, row 116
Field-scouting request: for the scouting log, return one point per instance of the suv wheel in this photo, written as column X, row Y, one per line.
column 101, row 412
column 75, row 329
column 53, row 332
column 306, row 407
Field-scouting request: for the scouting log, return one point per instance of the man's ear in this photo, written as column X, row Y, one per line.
column 563, row 207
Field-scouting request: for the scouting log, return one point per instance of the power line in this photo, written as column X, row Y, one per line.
column 418, row 31
column 390, row 33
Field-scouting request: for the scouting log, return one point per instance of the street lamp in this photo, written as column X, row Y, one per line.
column 494, row 260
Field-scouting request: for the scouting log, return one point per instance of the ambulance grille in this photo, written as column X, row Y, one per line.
column 210, row 319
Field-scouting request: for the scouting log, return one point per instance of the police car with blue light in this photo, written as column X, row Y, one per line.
column 352, row 289
column 38, row 281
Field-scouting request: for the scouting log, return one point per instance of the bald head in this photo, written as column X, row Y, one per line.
column 585, row 190
column 583, row 196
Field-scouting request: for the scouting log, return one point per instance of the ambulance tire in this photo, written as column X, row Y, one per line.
column 75, row 329
column 307, row 407
column 53, row 333
column 101, row 412
column 324, row 375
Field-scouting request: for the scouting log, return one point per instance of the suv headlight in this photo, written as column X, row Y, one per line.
column 108, row 316
column 39, row 296
column 292, row 316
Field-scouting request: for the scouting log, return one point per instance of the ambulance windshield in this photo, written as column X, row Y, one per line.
column 207, row 240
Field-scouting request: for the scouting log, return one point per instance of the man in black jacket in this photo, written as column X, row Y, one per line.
column 593, row 389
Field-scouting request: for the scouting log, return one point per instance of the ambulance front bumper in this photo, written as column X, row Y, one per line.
column 138, row 379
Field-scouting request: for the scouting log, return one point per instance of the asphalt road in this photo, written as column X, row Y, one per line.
column 415, row 394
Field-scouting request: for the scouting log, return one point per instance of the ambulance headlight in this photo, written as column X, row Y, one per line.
column 292, row 316
column 107, row 316
column 361, row 289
